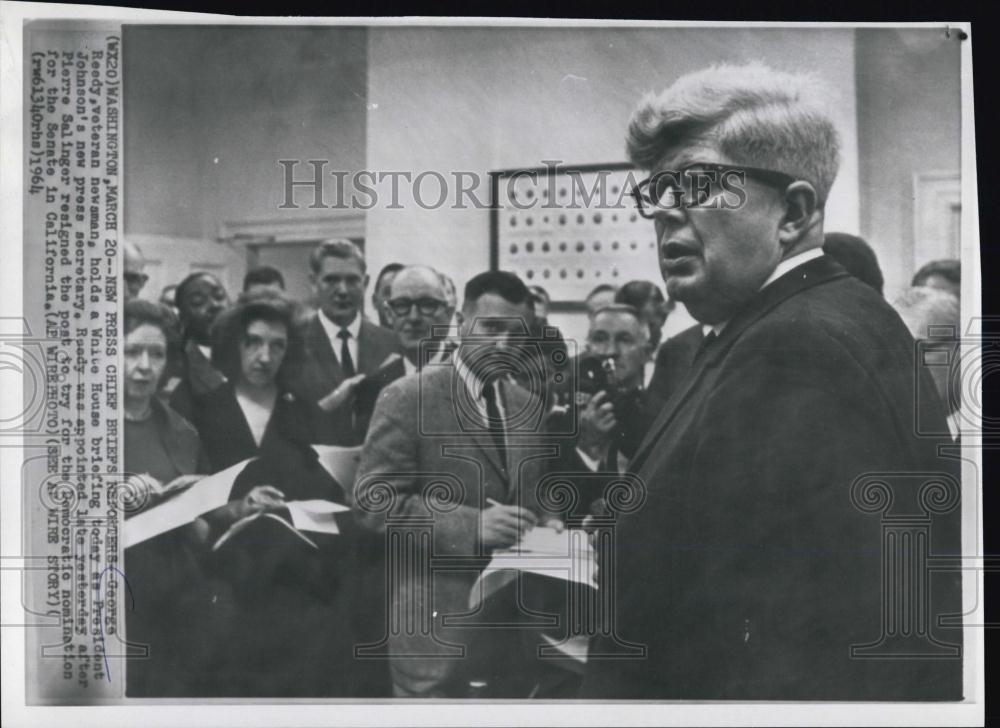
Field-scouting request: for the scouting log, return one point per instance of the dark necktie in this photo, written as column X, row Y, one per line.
column 495, row 418
column 705, row 345
column 346, row 362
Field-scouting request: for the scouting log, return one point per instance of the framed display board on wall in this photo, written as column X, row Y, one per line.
column 569, row 229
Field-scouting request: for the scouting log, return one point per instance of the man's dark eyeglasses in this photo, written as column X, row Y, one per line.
column 139, row 278
column 426, row 306
column 701, row 184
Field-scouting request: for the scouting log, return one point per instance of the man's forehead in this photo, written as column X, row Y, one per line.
column 614, row 321
column 695, row 150
column 333, row 264
column 203, row 284
column 417, row 283
column 495, row 305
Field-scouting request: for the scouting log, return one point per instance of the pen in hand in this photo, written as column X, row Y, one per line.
column 503, row 525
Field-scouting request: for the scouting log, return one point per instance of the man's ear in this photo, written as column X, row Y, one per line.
column 312, row 282
column 364, row 282
column 802, row 212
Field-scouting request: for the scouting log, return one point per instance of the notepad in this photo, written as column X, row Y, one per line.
column 565, row 555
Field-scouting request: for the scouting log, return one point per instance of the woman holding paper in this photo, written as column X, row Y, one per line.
column 285, row 581
column 176, row 606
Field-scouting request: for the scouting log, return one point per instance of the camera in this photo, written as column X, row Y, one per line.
column 597, row 374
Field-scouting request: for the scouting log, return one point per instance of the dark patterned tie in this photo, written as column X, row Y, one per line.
column 346, row 362
column 495, row 423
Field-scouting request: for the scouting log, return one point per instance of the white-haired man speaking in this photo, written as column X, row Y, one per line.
column 754, row 569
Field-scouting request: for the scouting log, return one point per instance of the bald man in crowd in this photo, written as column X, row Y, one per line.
column 418, row 310
column 135, row 270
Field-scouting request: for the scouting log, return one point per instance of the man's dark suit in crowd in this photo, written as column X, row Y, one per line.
column 768, row 571
column 339, row 280
column 322, row 373
column 200, row 299
column 673, row 361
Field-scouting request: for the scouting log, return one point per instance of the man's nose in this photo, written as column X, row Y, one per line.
column 667, row 221
column 264, row 355
column 144, row 360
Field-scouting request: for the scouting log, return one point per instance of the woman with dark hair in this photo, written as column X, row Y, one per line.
column 258, row 349
column 289, row 604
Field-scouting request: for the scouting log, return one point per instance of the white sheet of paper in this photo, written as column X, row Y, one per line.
column 340, row 462
column 545, row 540
column 567, row 556
column 315, row 515
column 207, row 494
column 575, row 647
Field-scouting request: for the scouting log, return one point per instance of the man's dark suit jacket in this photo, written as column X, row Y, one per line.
column 749, row 573
column 198, row 377
column 673, row 361
column 321, row 373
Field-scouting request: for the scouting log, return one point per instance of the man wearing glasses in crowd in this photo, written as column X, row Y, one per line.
column 417, row 309
column 752, row 570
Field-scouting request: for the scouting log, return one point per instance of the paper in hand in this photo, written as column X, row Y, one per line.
column 315, row 515
column 565, row 555
column 206, row 495
column 340, row 462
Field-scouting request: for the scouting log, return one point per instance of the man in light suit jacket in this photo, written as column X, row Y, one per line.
column 340, row 345
column 754, row 569
column 458, row 443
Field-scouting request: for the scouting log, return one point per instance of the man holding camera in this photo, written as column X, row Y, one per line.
column 616, row 416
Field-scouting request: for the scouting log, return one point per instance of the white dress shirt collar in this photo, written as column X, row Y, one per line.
column 783, row 267
column 332, row 329
column 793, row 262
column 473, row 385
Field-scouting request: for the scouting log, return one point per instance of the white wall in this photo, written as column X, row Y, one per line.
column 907, row 127
column 209, row 111
column 476, row 99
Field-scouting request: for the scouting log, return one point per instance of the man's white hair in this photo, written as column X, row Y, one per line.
column 929, row 313
column 758, row 116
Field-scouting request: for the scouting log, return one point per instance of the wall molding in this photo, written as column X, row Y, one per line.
column 292, row 230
